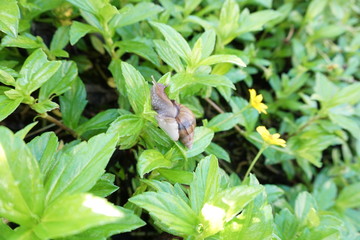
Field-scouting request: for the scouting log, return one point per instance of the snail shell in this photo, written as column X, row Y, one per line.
column 175, row 119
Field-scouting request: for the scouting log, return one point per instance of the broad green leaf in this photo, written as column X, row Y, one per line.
column 125, row 224
column 234, row 199
column 6, row 78
column 79, row 168
column 5, row 230
column 9, row 17
column 128, row 127
column 164, row 186
column 75, row 213
column 155, row 137
column 22, row 191
column 314, row 9
column 24, row 131
column 168, row 55
column 176, row 176
column 348, row 123
column 72, row 104
column 208, row 43
column 190, row 6
column 228, row 21
column 214, row 59
column 224, row 122
column 175, row 40
column 23, row 233
column 205, row 183
column 44, row 106
column 170, row 212
column 151, row 159
column 324, row 90
column 137, row 88
column 78, row 30
column 287, row 224
column 104, row 186
column 185, row 80
column 97, row 124
column 115, row 69
column 202, row 139
column 349, row 197
column 43, row 148
column 36, row 71
column 218, row 151
column 131, row 15
column 303, row 203
column 253, row 223
column 347, row 95
column 325, row 194
column 92, row 6
column 8, row 106
column 61, row 38
column 22, row 41
column 328, row 31
column 255, row 21
column 140, row 48
column 60, row 82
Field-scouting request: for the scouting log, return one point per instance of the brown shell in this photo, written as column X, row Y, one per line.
column 187, row 124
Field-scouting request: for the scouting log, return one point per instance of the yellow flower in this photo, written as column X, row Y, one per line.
column 255, row 101
column 273, row 139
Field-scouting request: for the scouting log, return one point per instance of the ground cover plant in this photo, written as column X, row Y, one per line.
column 274, row 89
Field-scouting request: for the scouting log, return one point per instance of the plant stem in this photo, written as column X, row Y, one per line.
column 263, row 147
column 60, row 124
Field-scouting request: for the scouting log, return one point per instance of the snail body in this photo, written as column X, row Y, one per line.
column 175, row 119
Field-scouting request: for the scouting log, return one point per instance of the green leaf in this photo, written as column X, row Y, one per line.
column 255, row 21
column 208, row 43
column 60, row 82
column 24, row 131
column 328, row 31
column 72, row 104
column 315, row 8
column 91, row 6
column 224, row 122
column 218, row 151
column 168, row 55
column 115, row 69
column 150, row 160
column 8, row 106
column 205, row 183
column 175, row 40
column 6, row 78
column 43, row 148
column 222, row 58
column 22, row 194
column 23, row 233
column 99, row 123
column 170, row 212
column 9, row 17
column 287, row 224
column 78, row 169
column 177, row 176
column 303, row 203
column 78, row 30
column 228, row 21
column 185, row 80
column 44, row 106
column 125, row 224
column 137, row 88
column 202, row 139
column 349, row 197
column 5, row 230
column 348, row 123
column 22, row 41
column 104, row 186
column 59, row 220
column 140, row 48
column 131, row 15
column 61, row 38
column 129, row 128
column 234, row 199
column 36, row 71
column 254, row 223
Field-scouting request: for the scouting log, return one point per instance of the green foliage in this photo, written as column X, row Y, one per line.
column 301, row 56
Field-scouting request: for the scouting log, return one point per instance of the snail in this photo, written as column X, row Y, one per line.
column 175, row 119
